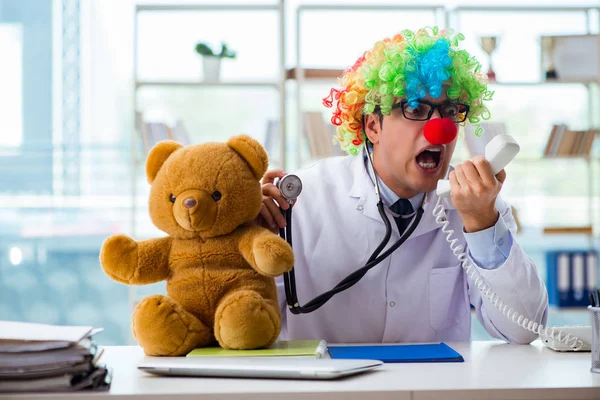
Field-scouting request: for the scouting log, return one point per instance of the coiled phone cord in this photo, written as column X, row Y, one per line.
column 487, row 291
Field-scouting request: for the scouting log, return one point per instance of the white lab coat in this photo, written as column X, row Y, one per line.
column 418, row 294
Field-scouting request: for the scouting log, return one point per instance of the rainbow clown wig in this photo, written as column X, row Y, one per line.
column 409, row 66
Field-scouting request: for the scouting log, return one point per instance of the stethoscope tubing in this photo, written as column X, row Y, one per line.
column 354, row 277
column 289, row 278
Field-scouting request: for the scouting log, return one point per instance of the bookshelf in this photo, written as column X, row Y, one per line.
column 572, row 147
column 454, row 18
column 562, row 144
column 297, row 74
column 277, row 7
column 571, row 144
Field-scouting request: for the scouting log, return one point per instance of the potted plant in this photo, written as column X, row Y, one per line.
column 212, row 60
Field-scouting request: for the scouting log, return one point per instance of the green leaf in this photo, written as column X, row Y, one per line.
column 204, row 50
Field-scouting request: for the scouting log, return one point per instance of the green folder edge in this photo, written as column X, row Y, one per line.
column 315, row 348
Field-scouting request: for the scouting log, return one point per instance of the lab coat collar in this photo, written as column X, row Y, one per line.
column 363, row 189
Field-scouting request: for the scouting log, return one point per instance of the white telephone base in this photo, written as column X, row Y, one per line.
column 583, row 333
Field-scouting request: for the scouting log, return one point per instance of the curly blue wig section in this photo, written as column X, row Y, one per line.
column 427, row 72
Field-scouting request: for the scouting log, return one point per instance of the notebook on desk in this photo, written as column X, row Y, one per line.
column 308, row 348
column 400, row 353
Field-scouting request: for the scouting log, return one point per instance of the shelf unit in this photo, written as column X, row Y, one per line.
column 589, row 160
column 441, row 15
column 451, row 18
column 278, row 84
column 454, row 20
column 301, row 74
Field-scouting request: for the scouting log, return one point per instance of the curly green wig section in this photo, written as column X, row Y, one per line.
column 409, row 65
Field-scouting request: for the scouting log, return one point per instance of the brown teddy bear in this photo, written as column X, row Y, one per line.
column 219, row 267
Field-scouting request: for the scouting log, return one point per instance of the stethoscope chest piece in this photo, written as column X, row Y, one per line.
column 290, row 187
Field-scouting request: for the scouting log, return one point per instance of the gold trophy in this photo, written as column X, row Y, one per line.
column 547, row 54
column 488, row 44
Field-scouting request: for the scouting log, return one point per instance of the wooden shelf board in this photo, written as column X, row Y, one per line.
column 207, row 84
column 586, row 230
column 315, row 73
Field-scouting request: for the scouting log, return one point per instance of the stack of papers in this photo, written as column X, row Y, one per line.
column 50, row 358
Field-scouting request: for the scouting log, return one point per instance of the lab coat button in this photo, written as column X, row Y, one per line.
column 360, row 208
column 392, row 303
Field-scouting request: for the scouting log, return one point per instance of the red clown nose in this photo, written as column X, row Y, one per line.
column 440, row 131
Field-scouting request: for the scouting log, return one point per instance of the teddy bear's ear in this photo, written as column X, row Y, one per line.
column 157, row 157
column 251, row 151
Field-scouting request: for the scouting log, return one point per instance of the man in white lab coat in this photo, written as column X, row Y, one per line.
column 420, row 293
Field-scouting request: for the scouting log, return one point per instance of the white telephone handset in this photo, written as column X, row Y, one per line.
column 499, row 152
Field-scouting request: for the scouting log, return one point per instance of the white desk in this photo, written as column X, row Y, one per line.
column 492, row 370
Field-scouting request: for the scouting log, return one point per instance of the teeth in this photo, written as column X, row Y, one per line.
column 435, row 150
column 427, row 165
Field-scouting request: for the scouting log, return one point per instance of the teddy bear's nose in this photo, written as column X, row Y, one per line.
column 190, row 202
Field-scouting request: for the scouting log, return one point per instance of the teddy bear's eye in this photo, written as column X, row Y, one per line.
column 216, row 195
column 172, row 199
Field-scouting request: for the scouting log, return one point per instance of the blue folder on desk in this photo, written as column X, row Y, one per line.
column 409, row 353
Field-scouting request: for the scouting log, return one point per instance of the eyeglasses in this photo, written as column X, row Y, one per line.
column 455, row 111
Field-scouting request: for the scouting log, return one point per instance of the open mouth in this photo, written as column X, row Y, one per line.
column 430, row 158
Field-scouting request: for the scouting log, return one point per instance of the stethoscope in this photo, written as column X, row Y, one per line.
column 436, row 131
column 290, row 187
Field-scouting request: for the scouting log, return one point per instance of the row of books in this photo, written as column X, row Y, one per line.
column 49, row 358
column 154, row 132
column 565, row 142
column 318, row 134
column 571, row 277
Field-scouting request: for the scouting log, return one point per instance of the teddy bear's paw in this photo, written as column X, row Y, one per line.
column 273, row 255
column 118, row 257
column 163, row 328
column 245, row 320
